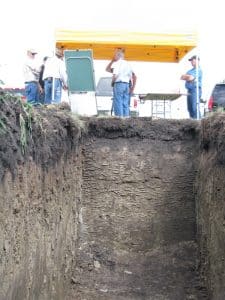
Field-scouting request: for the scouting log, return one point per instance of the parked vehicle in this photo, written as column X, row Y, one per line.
column 217, row 98
column 104, row 98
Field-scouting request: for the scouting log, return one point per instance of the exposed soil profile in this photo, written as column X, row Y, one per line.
column 47, row 132
column 109, row 208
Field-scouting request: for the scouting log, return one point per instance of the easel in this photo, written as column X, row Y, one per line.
column 81, row 82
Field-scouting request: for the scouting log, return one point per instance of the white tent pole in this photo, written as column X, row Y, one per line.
column 197, row 82
column 197, row 87
column 53, row 82
column 53, row 79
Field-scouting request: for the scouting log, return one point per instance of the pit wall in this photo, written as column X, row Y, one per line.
column 55, row 232
column 103, row 215
column 210, row 188
column 39, row 230
column 138, row 229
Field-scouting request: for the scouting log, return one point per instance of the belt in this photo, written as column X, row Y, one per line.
column 121, row 82
column 50, row 78
column 26, row 82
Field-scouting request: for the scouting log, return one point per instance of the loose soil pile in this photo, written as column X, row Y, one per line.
column 45, row 134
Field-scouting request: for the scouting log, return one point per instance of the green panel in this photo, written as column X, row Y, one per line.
column 79, row 66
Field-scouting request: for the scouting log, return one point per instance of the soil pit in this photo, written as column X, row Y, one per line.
column 109, row 208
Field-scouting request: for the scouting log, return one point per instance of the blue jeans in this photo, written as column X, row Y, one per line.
column 121, row 99
column 192, row 102
column 53, row 97
column 32, row 92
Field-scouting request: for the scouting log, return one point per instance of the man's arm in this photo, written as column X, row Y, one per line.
column 33, row 68
column 113, row 79
column 109, row 66
column 187, row 77
column 63, row 74
column 133, row 83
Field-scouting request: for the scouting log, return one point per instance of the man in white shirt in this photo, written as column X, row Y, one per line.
column 55, row 78
column 123, row 82
column 31, row 72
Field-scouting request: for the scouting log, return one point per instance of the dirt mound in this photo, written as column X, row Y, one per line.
column 143, row 128
column 43, row 134
column 46, row 133
column 213, row 137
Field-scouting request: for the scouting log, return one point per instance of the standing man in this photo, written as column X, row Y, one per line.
column 123, row 82
column 55, row 78
column 31, row 73
column 193, row 84
column 41, row 81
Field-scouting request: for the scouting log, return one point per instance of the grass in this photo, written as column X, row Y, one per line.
column 28, row 117
column 28, row 110
column 25, row 119
column 23, row 134
column 2, row 126
column 80, row 123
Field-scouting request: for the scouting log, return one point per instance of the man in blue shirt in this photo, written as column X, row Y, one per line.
column 193, row 84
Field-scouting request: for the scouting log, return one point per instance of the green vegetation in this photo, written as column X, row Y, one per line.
column 79, row 123
column 28, row 110
column 25, row 124
column 25, row 117
column 23, row 134
column 2, row 126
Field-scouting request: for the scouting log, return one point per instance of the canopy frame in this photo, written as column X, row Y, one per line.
column 139, row 46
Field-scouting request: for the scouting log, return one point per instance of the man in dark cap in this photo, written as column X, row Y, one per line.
column 193, row 84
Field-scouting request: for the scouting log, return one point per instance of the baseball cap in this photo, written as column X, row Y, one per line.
column 32, row 50
column 59, row 52
column 194, row 57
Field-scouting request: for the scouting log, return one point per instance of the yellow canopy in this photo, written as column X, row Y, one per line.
column 139, row 46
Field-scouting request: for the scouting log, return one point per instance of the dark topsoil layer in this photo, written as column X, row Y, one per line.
column 45, row 134
column 42, row 134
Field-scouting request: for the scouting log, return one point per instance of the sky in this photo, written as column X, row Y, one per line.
column 25, row 24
